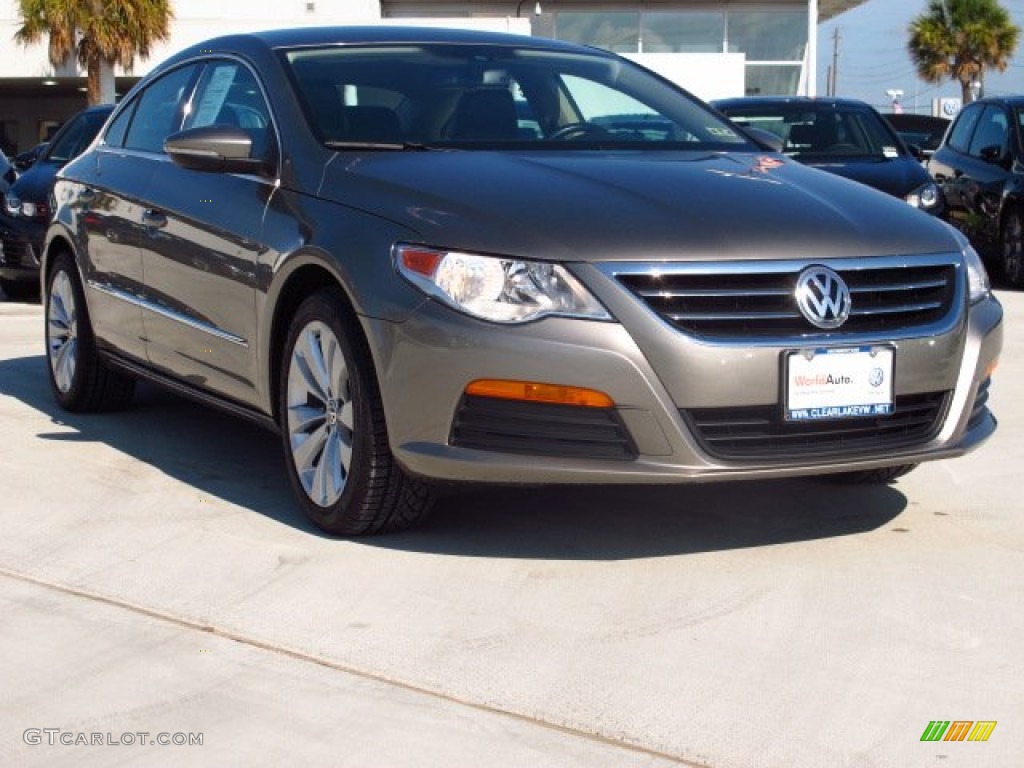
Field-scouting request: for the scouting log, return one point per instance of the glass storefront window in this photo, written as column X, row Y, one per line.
column 773, row 79
column 682, row 31
column 612, row 31
column 768, row 35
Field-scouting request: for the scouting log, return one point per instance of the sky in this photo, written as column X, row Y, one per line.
column 873, row 56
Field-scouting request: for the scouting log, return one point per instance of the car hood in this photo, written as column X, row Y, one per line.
column 585, row 205
column 35, row 184
column 897, row 176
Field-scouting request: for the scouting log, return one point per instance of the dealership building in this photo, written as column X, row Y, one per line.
column 714, row 48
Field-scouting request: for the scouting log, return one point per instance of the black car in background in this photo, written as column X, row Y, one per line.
column 842, row 136
column 980, row 167
column 26, row 209
column 922, row 132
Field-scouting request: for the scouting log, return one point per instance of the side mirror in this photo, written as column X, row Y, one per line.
column 916, row 152
column 215, row 149
column 992, row 154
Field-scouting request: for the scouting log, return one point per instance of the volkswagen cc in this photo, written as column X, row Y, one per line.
column 427, row 256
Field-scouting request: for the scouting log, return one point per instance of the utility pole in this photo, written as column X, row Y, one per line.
column 834, row 72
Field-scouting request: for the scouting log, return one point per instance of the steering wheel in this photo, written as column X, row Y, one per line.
column 571, row 131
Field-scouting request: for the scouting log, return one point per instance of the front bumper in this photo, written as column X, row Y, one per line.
column 20, row 247
column 657, row 377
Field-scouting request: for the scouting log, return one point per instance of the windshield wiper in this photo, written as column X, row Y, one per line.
column 386, row 146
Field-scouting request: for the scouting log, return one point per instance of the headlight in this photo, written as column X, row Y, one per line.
column 502, row 290
column 977, row 277
column 926, row 197
column 18, row 207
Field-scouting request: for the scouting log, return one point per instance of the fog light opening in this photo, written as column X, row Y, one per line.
column 539, row 393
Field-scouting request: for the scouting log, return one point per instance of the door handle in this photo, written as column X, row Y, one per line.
column 153, row 219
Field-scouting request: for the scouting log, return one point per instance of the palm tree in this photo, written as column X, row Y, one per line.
column 111, row 32
column 960, row 39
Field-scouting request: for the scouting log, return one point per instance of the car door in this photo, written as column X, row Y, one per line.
column 988, row 170
column 947, row 165
column 110, row 188
column 973, row 168
column 201, row 238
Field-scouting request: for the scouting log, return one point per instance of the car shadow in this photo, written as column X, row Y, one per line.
column 218, row 454
column 241, row 463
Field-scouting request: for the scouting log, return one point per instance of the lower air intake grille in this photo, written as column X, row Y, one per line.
column 980, row 404
column 760, row 432
column 541, row 429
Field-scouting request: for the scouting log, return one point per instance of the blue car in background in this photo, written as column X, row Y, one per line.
column 26, row 209
column 842, row 136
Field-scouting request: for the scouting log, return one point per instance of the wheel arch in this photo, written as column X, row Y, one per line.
column 304, row 277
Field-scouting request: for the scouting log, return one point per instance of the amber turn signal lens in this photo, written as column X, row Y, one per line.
column 539, row 393
column 421, row 262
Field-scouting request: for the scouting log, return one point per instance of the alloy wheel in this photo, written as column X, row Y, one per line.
column 320, row 414
column 62, row 332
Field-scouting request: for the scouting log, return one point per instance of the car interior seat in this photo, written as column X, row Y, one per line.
column 484, row 114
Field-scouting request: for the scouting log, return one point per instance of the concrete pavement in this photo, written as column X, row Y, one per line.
column 155, row 576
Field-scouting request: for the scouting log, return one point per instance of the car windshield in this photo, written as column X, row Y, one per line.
column 822, row 130
column 79, row 134
column 482, row 96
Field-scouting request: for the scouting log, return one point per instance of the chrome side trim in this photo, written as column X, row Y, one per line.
column 170, row 314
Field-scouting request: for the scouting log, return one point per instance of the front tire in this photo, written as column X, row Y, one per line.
column 80, row 380
column 332, row 420
column 1013, row 249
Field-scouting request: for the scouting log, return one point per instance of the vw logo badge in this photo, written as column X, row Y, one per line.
column 876, row 377
column 823, row 297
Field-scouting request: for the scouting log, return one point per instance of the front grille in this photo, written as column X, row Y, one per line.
column 18, row 253
column 753, row 302
column 541, row 429
column 980, row 404
column 761, row 432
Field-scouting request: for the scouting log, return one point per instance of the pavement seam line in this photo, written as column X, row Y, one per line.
column 321, row 661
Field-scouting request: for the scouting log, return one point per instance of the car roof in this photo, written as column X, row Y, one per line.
column 774, row 101
column 382, row 34
column 1012, row 100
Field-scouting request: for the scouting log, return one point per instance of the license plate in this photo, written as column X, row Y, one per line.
column 843, row 383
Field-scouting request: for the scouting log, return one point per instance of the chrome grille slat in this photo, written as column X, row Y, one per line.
column 711, row 292
column 918, row 286
column 903, row 308
column 738, row 316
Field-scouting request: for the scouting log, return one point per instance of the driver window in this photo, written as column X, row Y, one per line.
column 228, row 94
column 992, row 131
column 158, row 114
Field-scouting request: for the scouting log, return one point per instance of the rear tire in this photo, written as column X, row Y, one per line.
column 1013, row 249
column 332, row 421
column 80, row 380
column 882, row 476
